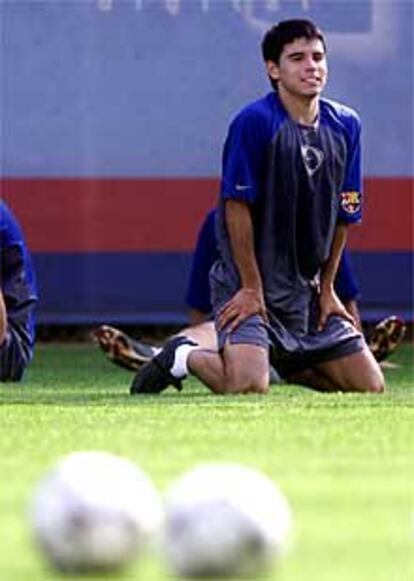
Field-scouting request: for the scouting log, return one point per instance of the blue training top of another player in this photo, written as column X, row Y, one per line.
column 17, row 279
column 206, row 253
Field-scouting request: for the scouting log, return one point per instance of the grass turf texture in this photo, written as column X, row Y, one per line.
column 345, row 462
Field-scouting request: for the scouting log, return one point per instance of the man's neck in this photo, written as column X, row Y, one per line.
column 303, row 110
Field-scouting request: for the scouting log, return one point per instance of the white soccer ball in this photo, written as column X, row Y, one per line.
column 225, row 520
column 94, row 512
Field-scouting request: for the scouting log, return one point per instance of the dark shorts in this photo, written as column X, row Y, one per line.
column 337, row 340
column 15, row 353
column 293, row 341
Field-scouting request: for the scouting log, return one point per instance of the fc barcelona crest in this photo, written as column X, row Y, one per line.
column 351, row 202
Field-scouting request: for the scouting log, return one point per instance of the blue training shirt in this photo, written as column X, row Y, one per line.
column 17, row 279
column 346, row 283
column 206, row 253
column 299, row 183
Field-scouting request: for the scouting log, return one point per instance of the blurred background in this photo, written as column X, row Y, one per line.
column 113, row 116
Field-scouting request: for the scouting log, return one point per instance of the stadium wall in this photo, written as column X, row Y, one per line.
column 105, row 251
column 113, row 116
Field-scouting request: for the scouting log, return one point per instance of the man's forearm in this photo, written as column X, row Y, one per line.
column 330, row 268
column 239, row 224
column 3, row 319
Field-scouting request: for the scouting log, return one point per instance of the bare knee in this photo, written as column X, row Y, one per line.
column 370, row 383
column 245, row 387
column 245, row 369
column 374, row 381
column 358, row 372
column 376, row 385
column 245, row 383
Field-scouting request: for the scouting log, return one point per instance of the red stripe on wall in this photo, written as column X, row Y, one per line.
column 388, row 216
column 122, row 215
column 110, row 215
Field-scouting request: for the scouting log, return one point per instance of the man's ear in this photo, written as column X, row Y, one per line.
column 272, row 70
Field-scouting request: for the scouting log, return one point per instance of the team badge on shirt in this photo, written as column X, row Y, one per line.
column 351, row 202
column 312, row 158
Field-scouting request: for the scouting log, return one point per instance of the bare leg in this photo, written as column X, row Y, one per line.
column 239, row 369
column 204, row 334
column 358, row 372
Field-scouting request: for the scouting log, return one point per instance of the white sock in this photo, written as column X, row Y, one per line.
column 179, row 368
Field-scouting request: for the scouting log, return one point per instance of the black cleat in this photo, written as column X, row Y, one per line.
column 386, row 337
column 121, row 349
column 155, row 376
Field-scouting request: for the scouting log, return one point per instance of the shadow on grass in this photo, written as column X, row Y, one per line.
column 292, row 397
column 77, row 375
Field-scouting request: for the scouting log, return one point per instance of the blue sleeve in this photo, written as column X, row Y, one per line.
column 350, row 208
column 17, row 277
column 205, row 254
column 346, row 284
column 244, row 157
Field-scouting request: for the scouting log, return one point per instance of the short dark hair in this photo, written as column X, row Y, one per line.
column 286, row 32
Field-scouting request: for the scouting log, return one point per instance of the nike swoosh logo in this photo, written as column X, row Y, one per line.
column 240, row 187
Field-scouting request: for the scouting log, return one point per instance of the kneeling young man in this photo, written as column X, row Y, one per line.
column 18, row 296
column 291, row 186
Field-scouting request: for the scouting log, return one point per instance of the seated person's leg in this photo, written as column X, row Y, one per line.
column 132, row 354
column 122, row 349
column 204, row 334
column 386, row 337
column 241, row 366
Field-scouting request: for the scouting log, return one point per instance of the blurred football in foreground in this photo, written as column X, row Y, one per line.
column 94, row 512
column 225, row 520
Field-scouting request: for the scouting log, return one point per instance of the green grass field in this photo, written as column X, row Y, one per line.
column 346, row 462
